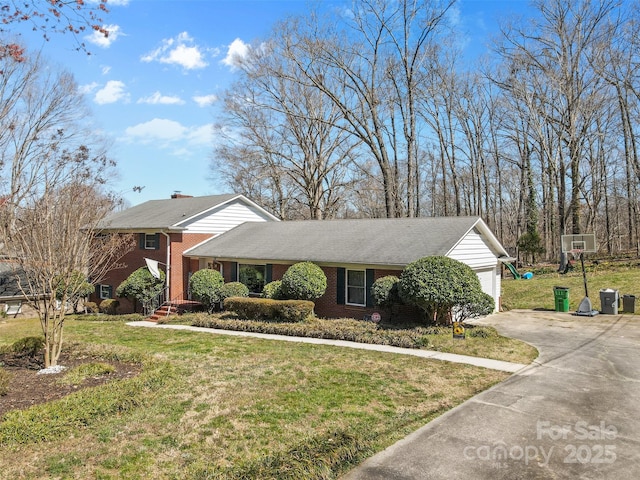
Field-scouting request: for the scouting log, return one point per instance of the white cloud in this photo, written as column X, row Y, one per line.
column 98, row 38
column 205, row 100
column 171, row 135
column 88, row 88
column 180, row 50
column 112, row 92
column 158, row 99
column 202, row 135
column 237, row 52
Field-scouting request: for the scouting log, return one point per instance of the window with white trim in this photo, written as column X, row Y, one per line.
column 356, row 287
column 150, row 241
column 104, row 291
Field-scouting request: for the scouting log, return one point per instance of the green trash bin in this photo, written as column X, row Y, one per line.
column 561, row 296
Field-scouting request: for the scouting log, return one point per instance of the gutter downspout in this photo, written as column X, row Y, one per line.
column 168, row 298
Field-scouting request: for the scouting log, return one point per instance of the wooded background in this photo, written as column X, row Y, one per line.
column 377, row 112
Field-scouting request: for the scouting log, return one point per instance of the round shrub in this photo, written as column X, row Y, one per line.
column 273, row 290
column 385, row 291
column 28, row 346
column 304, row 281
column 109, row 306
column 91, row 307
column 205, row 286
column 437, row 285
column 233, row 289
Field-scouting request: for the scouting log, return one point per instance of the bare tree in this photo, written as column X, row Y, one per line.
column 288, row 132
column 51, row 192
column 550, row 71
column 51, row 17
column 370, row 66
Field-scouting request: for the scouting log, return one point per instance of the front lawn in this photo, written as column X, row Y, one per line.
column 209, row 406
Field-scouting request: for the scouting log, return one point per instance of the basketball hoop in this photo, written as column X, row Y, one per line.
column 577, row 245
column 576, row 253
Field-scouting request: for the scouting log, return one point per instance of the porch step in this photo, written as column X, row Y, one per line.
column 163, row 312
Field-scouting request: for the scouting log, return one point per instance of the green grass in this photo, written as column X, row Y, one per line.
column 537, row 293
column 209, row 406
column 79, row 374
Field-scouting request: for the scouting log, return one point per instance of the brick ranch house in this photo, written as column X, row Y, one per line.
column 164, row 229
column 352, row 254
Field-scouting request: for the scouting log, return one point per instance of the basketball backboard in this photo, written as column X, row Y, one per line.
column 582, row 242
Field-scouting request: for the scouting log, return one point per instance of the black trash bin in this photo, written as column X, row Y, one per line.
column 609, row 301
column 629, row 303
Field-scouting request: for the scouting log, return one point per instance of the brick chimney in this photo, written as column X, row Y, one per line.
column 179, row 195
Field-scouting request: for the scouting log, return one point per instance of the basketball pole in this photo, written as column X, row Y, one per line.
column 584, row 275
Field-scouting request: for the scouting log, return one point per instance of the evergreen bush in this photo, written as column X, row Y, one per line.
column 205, row 286
column 303, row 281
column 273, row 290
column 109, row 306
column 438, row 285
column 141, row 286
column 233, row 289
column 385, row 292
column 268, row 309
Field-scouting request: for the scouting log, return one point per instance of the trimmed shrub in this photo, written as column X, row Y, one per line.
column 273, row 290
column 268, row 309
column 385, row 292
column 477, row 304
column 109, row 306
column 233, row 289
column 28, row 346
column 438, row 285
column 141, row 286
column 304, row 281
column 4, row 381
column 91, row 307
column 205, row 286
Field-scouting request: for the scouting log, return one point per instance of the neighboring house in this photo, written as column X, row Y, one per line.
column 352, row 253
column 12, row 300
column 164, row 229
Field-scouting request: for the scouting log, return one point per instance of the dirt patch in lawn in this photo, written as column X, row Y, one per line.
column 26, row 387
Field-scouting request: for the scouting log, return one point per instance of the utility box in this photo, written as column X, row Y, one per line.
column 629, row 303
column 561, row 297
column 609, row 301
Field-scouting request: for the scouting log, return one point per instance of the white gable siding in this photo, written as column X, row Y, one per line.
column 224, row 218
column 474, row 251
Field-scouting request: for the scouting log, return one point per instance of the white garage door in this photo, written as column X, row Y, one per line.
column 488, row 282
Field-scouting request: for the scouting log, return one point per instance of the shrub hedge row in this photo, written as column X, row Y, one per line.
column 340, row 329
column 268, row 309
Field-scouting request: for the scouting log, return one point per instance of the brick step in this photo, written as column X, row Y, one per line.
column 162, row 312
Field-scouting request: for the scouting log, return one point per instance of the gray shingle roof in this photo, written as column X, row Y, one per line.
column 367, row 241
column 157, row 214
column 8, row 281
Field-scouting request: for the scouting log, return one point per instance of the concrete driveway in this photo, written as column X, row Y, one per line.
column 574, row 413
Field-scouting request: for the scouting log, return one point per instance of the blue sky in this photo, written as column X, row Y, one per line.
column 155, row 84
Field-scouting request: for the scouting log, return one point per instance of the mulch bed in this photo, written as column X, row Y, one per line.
column 27, row 387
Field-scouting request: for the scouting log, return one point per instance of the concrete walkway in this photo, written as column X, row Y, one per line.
column 448, row 357
column 573, row 414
